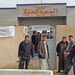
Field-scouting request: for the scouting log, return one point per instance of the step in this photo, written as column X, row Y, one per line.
column 25, row 72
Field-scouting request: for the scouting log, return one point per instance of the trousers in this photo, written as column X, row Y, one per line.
column 24, row 62
column 69, row 62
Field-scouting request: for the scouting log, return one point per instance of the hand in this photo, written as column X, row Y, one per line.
column 19, row 57
column 58, row 54
column 32, row 58
column 66, row 53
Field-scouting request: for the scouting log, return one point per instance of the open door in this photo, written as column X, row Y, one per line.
column 51, row 40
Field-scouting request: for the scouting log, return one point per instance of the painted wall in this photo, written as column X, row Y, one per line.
column 9, row 48
column 70, row 15
column 65, row 30
column 8, row 16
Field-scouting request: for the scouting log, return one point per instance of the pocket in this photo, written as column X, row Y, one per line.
column 42, row 56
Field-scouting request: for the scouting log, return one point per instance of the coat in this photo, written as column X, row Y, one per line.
column 33, row 39
column 41, row 50
column 61, row 47
column 58, row 48
column 25, row 50
column 37, row 40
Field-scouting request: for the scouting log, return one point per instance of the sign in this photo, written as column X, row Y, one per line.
column 7, row 31
column 41, row 10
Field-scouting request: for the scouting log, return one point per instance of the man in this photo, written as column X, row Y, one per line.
column 33, row 37
column 61, row 47
column 37, row 40
column 33, row 40
column 43, row 54
column 24, row 52
column 70, row 56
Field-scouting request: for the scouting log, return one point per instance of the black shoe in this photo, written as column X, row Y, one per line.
column 58, row 71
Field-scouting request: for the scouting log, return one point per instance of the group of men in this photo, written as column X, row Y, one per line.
column 26, row 52
column 35, row 39
column 66, row 54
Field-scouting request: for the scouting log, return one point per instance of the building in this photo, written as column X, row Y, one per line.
column 38, row 14
column 31, row 14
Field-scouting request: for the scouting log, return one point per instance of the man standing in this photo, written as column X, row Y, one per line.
column 70, row 56
column 24, row 53
column 37, row 40
column 61, row 47
column 43, row 54
column 33, row 37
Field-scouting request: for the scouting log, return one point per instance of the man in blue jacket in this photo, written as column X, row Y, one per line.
column 25, row 51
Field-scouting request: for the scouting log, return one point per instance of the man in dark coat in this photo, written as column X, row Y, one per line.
column 61, row 47
column 37, row 40
column 24, row 53
column 70, row 56
column 33, row 37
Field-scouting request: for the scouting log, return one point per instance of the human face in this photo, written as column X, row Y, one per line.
column 70, row 38
column 26, row 39
column 64, row 39
column 44, row 38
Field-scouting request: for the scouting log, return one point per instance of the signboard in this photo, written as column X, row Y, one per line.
column 7, row 31
column 41, row 10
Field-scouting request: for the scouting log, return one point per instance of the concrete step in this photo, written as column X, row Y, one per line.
column 25, row 72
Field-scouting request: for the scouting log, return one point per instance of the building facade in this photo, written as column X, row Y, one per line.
column 38, row 14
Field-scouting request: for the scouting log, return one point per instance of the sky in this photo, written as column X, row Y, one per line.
column 12, row 3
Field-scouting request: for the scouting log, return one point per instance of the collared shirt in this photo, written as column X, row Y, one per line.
column 71, row 44
column 46, row 49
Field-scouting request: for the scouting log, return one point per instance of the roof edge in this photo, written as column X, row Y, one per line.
column 42, row 4
column 70, row 6
column 9, row 8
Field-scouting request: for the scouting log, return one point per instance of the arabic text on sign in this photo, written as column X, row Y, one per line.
column 40, row 11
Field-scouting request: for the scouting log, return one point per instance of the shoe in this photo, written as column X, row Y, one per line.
column 58, row 71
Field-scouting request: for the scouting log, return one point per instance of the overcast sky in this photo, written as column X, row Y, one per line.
column 12, row 3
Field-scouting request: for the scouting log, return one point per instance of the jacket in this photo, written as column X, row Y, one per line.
column 25, row 50
column 41, row 50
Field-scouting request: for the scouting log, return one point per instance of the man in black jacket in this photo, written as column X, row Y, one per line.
column 33, row 37
column 61, row 47
column 37, row 40
column 25, row 52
